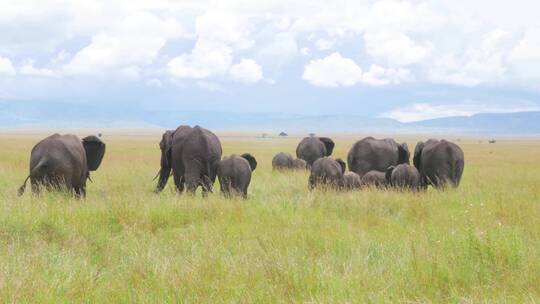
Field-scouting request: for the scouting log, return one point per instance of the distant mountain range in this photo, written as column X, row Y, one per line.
column 21, row 114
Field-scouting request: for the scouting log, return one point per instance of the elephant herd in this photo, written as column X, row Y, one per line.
column 377, row 163
column 193, row 156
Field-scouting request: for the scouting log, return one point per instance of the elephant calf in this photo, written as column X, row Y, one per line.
column 351, row 180
column 299, row 163
column 327, row 172
column 404, row 176
column 282, row 160
column 234, row 174
column 374, row 179
column 64, row 162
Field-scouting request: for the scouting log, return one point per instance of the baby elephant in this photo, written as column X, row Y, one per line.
column 327, row 172
column 374, row 178
column 404, row 176
column 351, row 180
column 234, row 174
column 299, row 163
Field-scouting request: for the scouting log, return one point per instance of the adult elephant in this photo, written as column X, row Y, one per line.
column 64, row 162
column 376, row 154
column 193, row 155
column 440, row 162
column 312, row 148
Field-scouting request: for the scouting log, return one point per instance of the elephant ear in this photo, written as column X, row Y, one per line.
column 417, row 153
column 403, row 154
column 329, row 144
column 388, row 173
column 251, row 160
column 166, row 145
column 95, row 150
column 342, row 164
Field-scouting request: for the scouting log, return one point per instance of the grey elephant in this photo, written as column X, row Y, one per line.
column 404, row 176
column 328, row 173
column 193, row 155
column 282, row 160
column 64, row 162
column 351, row 180
column 234, row 174
column 374, row 179
column 299, row 163
column 440, row 162
column 376, row 154
column 312, row 148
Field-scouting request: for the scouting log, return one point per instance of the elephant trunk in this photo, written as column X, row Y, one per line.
column 164, row 172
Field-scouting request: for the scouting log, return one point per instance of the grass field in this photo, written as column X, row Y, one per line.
column 124, row 244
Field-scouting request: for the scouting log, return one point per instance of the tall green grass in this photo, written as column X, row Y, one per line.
column 124, row 244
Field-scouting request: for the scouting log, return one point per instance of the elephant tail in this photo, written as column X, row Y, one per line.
column 42, row 163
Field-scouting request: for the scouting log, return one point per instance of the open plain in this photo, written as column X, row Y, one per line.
column 125, row 244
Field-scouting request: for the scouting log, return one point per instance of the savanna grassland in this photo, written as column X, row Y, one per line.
column 124, row 244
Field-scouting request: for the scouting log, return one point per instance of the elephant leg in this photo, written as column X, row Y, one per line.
column 36, row 186
column 179, row 183
column 193, row 180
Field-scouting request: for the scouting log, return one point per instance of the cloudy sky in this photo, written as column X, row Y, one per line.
column 409, row 60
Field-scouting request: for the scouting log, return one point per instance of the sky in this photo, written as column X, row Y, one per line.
column 408, row 60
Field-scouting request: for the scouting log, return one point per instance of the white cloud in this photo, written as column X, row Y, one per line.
column 423, row 111
column 28, row 69
column 333, row 71
column 378, row 76
column 6, row 67
column 395, row 47
column 133, row 43
column 481, row 63
column 447, row 41
column 324, row 44
column 247, row 71
column 208, row 59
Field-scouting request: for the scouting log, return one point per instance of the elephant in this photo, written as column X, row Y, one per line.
column 374, row 179
column 312, row 148
column 64, row 162
column 327, row 172
column 299, row 163
column 404, row 176
column 282, row 160
column 193, row 155
column 440, row 162
column 234, row 174
column 376, row 154
column 351, row 180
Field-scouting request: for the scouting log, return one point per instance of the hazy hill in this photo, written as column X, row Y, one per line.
column 23, row 114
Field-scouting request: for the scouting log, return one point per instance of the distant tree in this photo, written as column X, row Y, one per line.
column 283, row 134
column 99, row 135
column 312, row 134
column 264, row 135
column 492, row 141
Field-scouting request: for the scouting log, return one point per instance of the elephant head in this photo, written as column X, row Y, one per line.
column 166, row 146
column 417, row 152
column 328, row 144
column 251, row 160
column 403, row 154
column 95, row 150
column 342, row 164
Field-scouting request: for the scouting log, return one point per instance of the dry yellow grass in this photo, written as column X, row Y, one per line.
column 479, row 243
